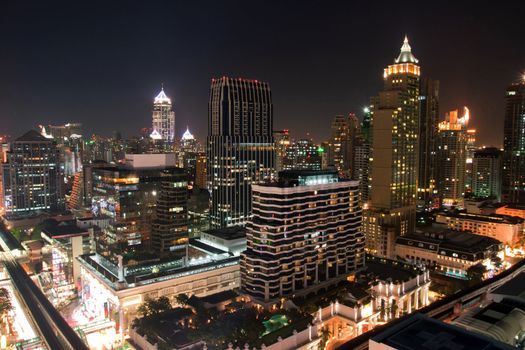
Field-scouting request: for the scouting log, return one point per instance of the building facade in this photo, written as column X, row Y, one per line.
column 303, row 154
column 305, row 232
column 506, row 229
column 342, row 143
column 514, row 144
column 282, row 141
column 428, row 132
column 487, row 173
column 170, row 226
column 240, row 146
column 32, row 176
column 449, row 252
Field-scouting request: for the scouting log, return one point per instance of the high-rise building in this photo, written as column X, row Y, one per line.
column 361, row 160
column 282, row 141
column 240, row 146
column 32, row 176
column 428, row 129
column 394, row 156
column 514, row 144
column 170, row 226
column 487, row 173
column 200, row 171
column 342, row 142
column 452, row 157
column 469, row 170
column 68, row 138
column 305, row 231
column 303, row 154
column 163, row 120
column 187, row 154
column 146, row 201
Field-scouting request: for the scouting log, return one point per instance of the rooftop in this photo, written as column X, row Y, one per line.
column 32, row 136
column 162, row 98
column 228, row 233
column 63, row 229
column 450, row 239
column 420, row 332
column 495, row 218
column 514, row 288
column 385, row 269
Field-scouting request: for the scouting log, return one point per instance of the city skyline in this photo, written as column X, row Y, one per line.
column 318, row 62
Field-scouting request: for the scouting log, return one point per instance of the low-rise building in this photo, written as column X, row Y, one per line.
column 397, row 287
column 449, row 252
column 512, row 210
column 114, row 292
column 229, row 239
column 506, row 229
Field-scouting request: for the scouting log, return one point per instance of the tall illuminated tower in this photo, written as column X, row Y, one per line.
column 240, row 146
column 163, row 119
column 394, row 154
column 514, row 144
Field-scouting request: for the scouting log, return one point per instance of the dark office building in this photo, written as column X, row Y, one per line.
column 32, row 176
column 240, row 146
column 514, row 144
column 147, row 205
column 428, row 130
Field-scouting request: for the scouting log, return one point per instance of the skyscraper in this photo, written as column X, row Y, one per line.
column 146, row 202
column 487, row 173
column 305, row 231
column 394, row 156
column 342, row 142
column 514, row 144
column 187, row 152
column 428, row 127
column 452, row 157
column 240, row 146
column 170, row 226
column 469, row 170
column 361, row 168
column 163, row 120
column 32, row 176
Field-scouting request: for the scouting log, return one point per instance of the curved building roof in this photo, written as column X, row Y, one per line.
column 406, row 56
column 162, row 98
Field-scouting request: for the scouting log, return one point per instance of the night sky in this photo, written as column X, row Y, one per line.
column 102, row 64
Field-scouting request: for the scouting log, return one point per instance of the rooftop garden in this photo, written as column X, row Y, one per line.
column 238, row 323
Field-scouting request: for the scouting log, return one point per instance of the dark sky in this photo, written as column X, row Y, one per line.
column 102, row 63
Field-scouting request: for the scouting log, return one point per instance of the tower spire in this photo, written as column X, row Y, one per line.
column 406, row 56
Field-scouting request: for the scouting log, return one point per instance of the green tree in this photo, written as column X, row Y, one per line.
column 325, row 337
column 182, row 299
column 475, row 273
column 154, row 306
column 5, row 304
